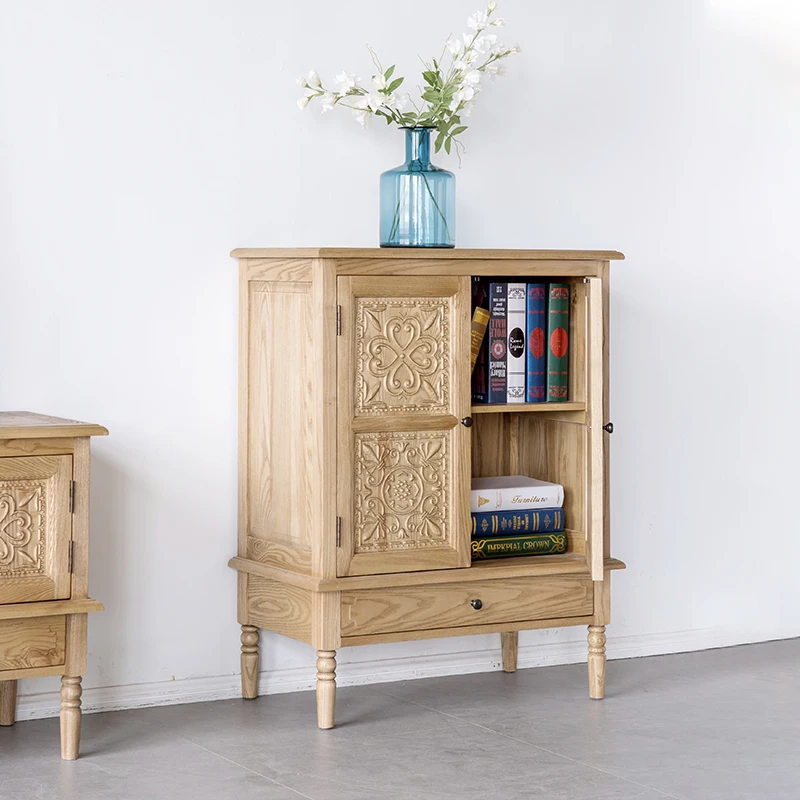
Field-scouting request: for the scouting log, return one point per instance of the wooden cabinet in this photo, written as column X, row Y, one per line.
column 44, row 601
column 358, row 443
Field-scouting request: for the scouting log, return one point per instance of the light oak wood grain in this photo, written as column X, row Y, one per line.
column 280, row 608
column 527, row 408
column 278, row 269
column 36, row 447
column 49, row 609
column 8, row 703
column 597, row 661
column 326, row 688
column 71, row 692
column 249, row 662
column 595, row 514
column 410, row 254
column 509, row 644
column 27, row 425
column 417, row 608
column 33, row 642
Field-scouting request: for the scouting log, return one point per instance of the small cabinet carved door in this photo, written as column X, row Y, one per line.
column 403, row 452
column 35, row 528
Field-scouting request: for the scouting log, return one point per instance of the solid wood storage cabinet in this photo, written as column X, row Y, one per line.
column 358, row 441
column 44, row 560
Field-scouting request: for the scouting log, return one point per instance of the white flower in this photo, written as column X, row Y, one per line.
column 515, row 49
column 313, row 79
column 463, row 95
column 301, row 81
column 394, row 103
column 346, row 82
column 379, row 82
column 454, row 46
column 478, row 21
column 460, row 65
column 492, row 6
column 499, row 22
column 328, row 99
column 472, row 78
column 495, row 68
column 311, row 92
column 485, row 44
column 467, row 110
column 303, row 102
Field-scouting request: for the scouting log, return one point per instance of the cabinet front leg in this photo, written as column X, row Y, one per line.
column 249, row 662
column 326, row 688
column 509, row 642
column 8, row 702
column 71, row 692
column 597, row 661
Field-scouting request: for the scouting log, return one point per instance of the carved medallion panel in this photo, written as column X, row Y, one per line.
column 402, row 359
column 22, row 528
column 402, row 491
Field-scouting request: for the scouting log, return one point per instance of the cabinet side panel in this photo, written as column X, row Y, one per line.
column 280, row 424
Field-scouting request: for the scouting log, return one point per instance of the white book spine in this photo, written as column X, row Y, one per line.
column 515, row 387
column 511, row 499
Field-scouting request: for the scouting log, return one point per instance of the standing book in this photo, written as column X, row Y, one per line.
column 536, row 327
column 480, row 370
column 558, row 343
column 512, row 492
column 515, row 345
column 498, row 333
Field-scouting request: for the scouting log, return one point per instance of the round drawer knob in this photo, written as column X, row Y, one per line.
column 467, row 422
column 476, row 604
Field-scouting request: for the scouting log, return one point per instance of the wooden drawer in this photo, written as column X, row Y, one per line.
column 33, row 642
column 368, row 611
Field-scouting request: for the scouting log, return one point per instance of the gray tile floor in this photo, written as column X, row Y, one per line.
column 718, row 724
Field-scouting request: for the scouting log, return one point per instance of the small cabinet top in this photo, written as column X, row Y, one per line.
column 27, row 425
column 426, row 253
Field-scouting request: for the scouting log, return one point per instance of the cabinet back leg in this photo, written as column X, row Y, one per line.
column 8, row 702
column 249, row 662
column 509, row 641
column 597, row 661
column 71, row 692
column 326, row 688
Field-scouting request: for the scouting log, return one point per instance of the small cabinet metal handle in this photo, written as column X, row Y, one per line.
column 467, row 422
column 609, row 427
column 476, row 604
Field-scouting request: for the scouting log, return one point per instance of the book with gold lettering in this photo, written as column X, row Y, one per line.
column 527, row 544
column 504, row 523
column 480, row 319
column 512, row 492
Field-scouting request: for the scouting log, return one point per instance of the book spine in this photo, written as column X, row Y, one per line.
column 515, row 345
column 525, row 545
column 536, row 312
column 480, row 373
column 558, row 343
column 503, row 523
column 498, row 307
column 519, row 499
column 480, row 319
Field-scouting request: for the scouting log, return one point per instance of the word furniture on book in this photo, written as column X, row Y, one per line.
column 359, row 442
column 44, row 560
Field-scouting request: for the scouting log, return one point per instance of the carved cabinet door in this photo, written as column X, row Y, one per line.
column 403, row 454
column 35, row 528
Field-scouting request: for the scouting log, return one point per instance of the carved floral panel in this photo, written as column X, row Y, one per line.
column 402, row 362
column 22, row 528
column 402, row 492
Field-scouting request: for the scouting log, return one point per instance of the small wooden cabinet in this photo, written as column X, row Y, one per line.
column 44, row 548
column 358, row 442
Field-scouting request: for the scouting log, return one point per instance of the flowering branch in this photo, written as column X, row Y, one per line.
column 447, row 96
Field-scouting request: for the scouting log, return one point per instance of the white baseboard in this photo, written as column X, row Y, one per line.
column 296, row 679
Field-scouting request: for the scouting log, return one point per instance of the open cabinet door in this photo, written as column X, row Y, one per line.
column 596, row 463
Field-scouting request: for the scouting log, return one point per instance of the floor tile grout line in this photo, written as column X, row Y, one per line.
column 644, row 786
column 247, row 769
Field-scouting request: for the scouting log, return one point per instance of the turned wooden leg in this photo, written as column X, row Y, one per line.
column 71, row 692
column 326, row 688
column 509, row 642
column 597, row 661
column 8, row 702
column 249, row 662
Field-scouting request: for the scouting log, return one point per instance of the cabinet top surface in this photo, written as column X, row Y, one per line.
column 27, row 425
column 425, row 252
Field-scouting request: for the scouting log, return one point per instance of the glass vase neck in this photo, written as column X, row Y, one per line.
column 418, row 147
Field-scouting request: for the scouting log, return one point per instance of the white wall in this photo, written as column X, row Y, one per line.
column 141, row 141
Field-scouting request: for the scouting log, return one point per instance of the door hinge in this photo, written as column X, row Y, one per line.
column 71, row 496
column 338, row 320
column 71, row 555
column 338, row 531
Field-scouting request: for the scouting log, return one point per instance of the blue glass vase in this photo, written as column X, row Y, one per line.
column 418, row 200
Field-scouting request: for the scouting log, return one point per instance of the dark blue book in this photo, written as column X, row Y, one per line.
column 536, row 356
column 498, row 325
column 506, row 523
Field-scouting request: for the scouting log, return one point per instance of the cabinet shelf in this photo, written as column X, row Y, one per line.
column 526, row 408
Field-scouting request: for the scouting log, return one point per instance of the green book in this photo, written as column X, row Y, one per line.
column 531, row 544
column 558, row 342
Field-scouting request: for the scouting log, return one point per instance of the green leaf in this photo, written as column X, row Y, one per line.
column 395, row 84
column 431, row 95
column 429, row 77
column 438, row 144
column 447, row 144
column 459, row 130
column 388, row 73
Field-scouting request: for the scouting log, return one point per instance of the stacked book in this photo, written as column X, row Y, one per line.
column 516, row 516
column 524, row 355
